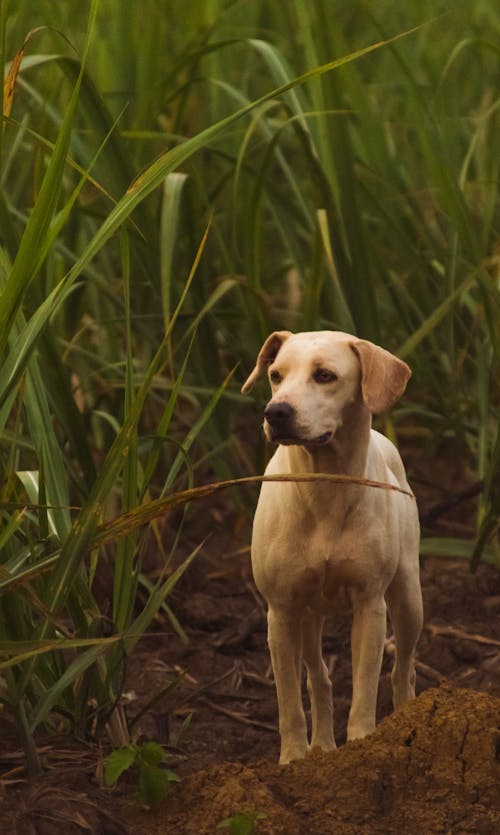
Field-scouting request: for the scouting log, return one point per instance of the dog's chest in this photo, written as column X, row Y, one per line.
column 318, row 566
column 323, row 551
column 334, row 566
column 330, row 589
column 329, row 586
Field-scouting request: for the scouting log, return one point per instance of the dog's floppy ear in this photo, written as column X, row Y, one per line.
column 383, row 376
column 267, row 355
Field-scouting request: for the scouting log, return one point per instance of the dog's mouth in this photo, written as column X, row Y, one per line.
column 291, row 440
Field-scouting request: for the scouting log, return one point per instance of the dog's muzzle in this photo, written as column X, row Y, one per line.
column 280, row 418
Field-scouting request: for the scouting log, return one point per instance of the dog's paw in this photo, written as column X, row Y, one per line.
column 291, row 753
column 324, row 746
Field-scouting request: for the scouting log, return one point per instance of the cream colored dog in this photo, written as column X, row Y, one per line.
column 318, row 547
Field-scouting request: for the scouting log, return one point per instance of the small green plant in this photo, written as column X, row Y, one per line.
column 242, row 823
column 148, row 758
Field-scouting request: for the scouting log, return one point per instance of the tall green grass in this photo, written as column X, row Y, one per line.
column 175, row 184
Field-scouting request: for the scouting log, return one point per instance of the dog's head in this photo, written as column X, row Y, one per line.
column 316, row 376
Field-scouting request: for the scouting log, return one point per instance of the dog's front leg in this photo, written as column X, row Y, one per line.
column 318, row 683
column 285, row 645
column 367, row 642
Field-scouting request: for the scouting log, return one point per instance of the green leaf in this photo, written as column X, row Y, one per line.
column 51, row 695
column 454, row 547
column 26, row 260
column 151, row 753
column 119, row 761
column 154, row 783
column 172, row 192
column 242, row 823
column 148, row 181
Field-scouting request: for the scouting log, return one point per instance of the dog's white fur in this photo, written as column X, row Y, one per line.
column 318, row 547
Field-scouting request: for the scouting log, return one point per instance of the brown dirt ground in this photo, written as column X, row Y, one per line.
column 433, row 767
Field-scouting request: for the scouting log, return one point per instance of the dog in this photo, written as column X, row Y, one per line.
column 319, row 547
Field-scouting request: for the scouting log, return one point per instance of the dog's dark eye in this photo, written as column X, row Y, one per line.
column 275, row 377
column 323, row 375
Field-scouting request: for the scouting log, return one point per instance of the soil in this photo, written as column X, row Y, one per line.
column 434, row 767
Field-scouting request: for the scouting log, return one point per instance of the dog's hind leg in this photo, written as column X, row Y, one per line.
column 404, row 601
column 318, row 683
column 285, row 645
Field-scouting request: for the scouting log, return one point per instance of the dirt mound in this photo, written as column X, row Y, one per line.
column 433, row 767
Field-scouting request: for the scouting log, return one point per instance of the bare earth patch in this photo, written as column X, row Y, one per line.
column 432, row 768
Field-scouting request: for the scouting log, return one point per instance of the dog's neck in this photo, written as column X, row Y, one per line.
column 345, row 454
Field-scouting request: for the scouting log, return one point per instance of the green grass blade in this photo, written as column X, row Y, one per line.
column 143, row 186
column 43, row 210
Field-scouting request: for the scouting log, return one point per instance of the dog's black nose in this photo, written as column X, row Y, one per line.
column 279, row 414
